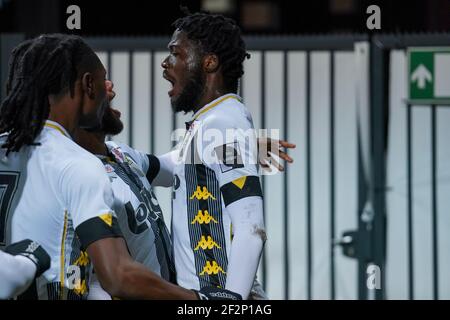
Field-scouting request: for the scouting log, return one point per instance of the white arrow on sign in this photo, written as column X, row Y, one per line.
column 421, row 75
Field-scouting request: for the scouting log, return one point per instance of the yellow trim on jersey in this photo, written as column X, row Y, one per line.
column 107, row 218
column 239, row 182
column 231, row 231
column 62, row 257
column 53, row 126
column 213, row 105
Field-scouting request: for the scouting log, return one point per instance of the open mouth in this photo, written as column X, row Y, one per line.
column 172, row 82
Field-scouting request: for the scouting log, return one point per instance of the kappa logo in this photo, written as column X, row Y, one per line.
column 83, row 260
column 206, row 244
column 80, row 288
column 203, row 217
column 212, row 268
column 202, row 194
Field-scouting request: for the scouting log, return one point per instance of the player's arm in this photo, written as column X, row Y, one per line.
column 122, row 277
column 20, row 264
column 246, row 246
column 167, row 163
column 158, row 169
column 89, row 196
column 236, row 169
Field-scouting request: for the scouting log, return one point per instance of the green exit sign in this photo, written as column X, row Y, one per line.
column 429, row 75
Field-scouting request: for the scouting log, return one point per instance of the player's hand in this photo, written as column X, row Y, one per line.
column 267, row 147
column 33, row 251
column 212, row 293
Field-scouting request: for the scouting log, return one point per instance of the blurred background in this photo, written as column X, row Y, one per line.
column 364, row 211
column 133, row 17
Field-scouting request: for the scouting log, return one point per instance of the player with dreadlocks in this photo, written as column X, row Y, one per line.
column 133, row 174
column 218, row 229
column 57, row 193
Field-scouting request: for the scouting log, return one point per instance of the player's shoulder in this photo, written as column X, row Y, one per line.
column 231, row 113
column 68, row 156
column 122, row 148
column 134, row 157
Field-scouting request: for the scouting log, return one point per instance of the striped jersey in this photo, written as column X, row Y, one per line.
column 216, row 166
column 138, row 212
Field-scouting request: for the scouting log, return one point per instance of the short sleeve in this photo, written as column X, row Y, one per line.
column 88, row 197
column 228, row 146
column 148, row 163
column 139, row 157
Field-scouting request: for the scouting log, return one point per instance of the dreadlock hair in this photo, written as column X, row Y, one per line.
column 218, row 35
column 46, row 65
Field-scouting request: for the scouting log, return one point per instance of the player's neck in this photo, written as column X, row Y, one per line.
column 94, row 142
column 65, row 110
column 209, row 97
column 214, row 88
column 66, row 120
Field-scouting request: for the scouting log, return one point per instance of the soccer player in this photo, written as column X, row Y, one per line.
column 131, row 173
column 218, row 229
column 21, row 263
column 139, row 214
column 58, row 193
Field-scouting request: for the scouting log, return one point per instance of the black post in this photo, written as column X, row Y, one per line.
column 410, row 207
column 308, row 179
column 332, row 181
column 263, row 181
column 130, row 97
column 152, row 102
column 285, row 179
column 434, row 204
column 7, row 44
column 379, row 93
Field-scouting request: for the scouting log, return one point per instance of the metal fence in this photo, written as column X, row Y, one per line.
column 417, row 181
column 332, row 95
column 283, row 87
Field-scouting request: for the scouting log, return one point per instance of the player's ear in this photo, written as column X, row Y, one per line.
column 87, row 84
column 210, row 63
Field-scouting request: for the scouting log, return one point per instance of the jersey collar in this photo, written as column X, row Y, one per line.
column 214, row 103
column 56, row 126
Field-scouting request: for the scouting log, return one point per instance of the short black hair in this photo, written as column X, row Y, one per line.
column 217, row 34
column 47, row 65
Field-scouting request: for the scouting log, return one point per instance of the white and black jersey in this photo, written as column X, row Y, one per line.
column 216, row 167
column 58, row 194
column 138, row 211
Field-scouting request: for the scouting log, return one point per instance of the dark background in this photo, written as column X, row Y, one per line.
column 145, row 17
